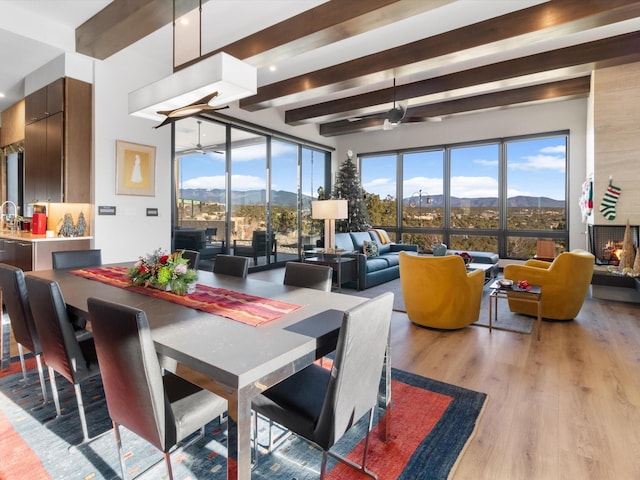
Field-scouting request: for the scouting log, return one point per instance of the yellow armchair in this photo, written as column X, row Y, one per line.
column 565, row 284
column 438, row 292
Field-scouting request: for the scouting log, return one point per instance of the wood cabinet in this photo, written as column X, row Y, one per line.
column 47, row 101
column 57, row 158
column 17, row 253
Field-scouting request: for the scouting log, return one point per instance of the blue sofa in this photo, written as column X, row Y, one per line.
column 372, row 270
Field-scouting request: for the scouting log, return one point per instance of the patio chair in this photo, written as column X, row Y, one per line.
column 257, row 248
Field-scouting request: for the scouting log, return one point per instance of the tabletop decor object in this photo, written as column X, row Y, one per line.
column 466, row 257
column 164, row 271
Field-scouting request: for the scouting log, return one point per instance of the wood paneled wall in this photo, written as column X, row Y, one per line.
column 617, row 140
column 12, row 124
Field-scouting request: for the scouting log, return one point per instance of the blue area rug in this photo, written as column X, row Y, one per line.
column 431, row 424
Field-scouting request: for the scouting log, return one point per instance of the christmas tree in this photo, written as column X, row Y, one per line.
column 348, row 187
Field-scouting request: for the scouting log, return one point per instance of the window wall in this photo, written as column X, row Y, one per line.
column 499, row 195
column 236, row 181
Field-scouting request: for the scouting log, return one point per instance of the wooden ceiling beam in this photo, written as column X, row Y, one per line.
column 553, row 19
column 621, row 47
column 565, row 89
column 124, row 22
column 329, row 22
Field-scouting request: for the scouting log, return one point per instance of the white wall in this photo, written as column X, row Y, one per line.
column 569, row 115
column 130, row 233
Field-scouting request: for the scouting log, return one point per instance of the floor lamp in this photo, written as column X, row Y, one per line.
column 329, row 211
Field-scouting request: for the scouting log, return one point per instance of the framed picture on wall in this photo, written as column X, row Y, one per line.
column 135, row 169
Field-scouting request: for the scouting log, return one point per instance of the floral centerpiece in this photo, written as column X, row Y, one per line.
column 164, row 271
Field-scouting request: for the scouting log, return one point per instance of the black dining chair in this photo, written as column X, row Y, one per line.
column 16, row 301
column 76, row 258
column 162, row 409
column 69, row 353
column 318, row 277
column 321, row 405
column 192, row 256
column 231, row 265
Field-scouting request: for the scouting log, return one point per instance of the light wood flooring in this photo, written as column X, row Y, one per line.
column 565, row 407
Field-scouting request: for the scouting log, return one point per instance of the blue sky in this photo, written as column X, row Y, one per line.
column 536, row 167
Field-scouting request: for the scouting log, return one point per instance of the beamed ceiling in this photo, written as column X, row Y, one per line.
column 341, row 57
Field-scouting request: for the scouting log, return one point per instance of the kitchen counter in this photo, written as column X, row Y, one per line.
column 33, row 252
column 30, row 237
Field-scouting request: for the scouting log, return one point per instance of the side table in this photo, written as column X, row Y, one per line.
column 532, row 295
column 345, row 268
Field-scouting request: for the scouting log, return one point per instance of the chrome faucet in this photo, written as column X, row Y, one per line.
column 7, row 217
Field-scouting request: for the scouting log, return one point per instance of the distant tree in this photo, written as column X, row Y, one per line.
column 348, row 187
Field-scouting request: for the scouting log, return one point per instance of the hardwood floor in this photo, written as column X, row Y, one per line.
column 566, row 407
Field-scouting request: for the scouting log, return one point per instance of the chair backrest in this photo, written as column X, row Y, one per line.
column 357, row 367
column 131, row 373
column 57, row 337
column 76, row 258
column 231, row 265
column 193, row 256
column 259, row 242
column 16, row 299
column 307, row 275
column 545, row 249
column 189, row 239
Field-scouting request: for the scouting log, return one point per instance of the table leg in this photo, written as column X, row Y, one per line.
column 492, row 297
column 242, row 439
column 339, row 275
column 5, row 339
column 385, row 420
column 539, row 317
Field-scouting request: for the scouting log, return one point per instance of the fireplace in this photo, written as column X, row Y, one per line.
column 605, row 242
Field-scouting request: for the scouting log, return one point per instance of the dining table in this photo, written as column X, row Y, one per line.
column 239, row 360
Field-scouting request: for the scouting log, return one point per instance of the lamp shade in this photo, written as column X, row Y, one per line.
column 329, row 209
column 233, row 79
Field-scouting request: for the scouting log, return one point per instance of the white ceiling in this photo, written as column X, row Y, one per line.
column 33, row 32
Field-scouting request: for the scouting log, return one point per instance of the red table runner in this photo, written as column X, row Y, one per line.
column 237, row 306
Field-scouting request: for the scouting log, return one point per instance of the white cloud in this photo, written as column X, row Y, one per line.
column 539, row 162
column 555, row 149
column 239, row 182
column 473, row 187
column 486, row 163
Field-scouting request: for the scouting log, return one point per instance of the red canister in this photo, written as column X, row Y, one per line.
column 39, row 224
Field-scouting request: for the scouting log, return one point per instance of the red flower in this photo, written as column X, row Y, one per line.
column 143, row 269
column 163, row 259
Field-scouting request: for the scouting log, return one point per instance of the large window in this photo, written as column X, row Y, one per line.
column 378, row 178
column 536, row 186
column 234, row 181
column 423, row 197
column 500, row 195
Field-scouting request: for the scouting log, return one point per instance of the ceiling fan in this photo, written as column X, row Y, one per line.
column 198, row 147
column 194, row 108
column 396, row 114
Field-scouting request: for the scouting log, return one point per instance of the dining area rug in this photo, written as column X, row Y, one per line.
column 432, row 422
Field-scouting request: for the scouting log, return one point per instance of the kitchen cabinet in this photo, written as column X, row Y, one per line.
column 47, row 101
column 57, row 149
column 17, row 253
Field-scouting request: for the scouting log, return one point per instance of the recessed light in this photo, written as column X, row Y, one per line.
column 273, row 68
column 1, row 95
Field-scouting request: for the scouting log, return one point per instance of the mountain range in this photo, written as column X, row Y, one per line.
column 285, row 198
